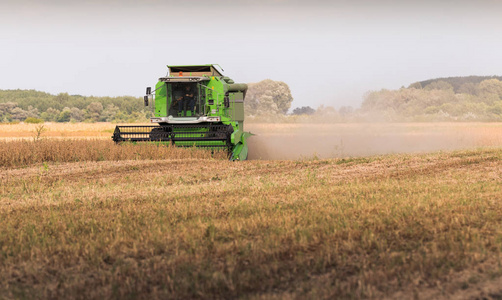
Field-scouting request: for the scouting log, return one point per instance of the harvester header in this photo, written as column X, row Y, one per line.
column 194, row 105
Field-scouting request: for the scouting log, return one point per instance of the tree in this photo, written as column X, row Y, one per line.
column 416, row 85
column 19, row 114
column 109, row 113
column 63, row 98
column 94, row 111
column 491, row 86
column 268, row 97
column 50, row 115
column 346, row 111
column 6, row 111
column 65, row 115
column 76, row 114
column 439, row 85
column 496, row 108
column 304, row 110
column 468, row 88
column 32, row 112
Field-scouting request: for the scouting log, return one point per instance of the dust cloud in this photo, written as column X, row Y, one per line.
column 297, row 141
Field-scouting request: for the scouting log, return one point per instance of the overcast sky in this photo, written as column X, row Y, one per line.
column 328, row 52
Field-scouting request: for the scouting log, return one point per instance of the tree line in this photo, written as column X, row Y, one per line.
column 470, row 98
column 460, row 83
column 266, row 98
column 31, row 105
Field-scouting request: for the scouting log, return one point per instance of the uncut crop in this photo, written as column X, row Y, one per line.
column 23, row 153
column 181, row 229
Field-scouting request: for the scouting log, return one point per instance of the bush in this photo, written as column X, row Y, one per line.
column 32, row 120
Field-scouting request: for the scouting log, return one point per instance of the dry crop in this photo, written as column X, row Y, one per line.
column 24, row 153
column 398, row 226
column 57, row 130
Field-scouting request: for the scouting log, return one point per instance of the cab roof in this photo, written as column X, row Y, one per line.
column 194, row 70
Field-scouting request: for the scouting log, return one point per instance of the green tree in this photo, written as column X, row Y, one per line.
column 94, row 111
column 50, row 115
column 109, row 113
column 76, row 114
column 65, row 115
column 304, row 110
column 496, row 108
column 416, row 85
column 19, row 114
column 468, row 88
column 491, row 87
column 6, row 111
column 439, row 85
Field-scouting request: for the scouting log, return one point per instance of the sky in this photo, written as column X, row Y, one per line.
column 328, row 52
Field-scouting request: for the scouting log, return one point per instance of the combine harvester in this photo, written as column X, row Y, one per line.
column 194, row 106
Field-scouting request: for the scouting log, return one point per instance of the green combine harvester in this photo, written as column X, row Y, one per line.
column 194, row 106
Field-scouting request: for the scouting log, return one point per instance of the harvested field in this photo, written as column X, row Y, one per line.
column 87, row 219
column 383, row 226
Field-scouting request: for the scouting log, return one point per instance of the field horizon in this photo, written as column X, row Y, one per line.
column 278, row 141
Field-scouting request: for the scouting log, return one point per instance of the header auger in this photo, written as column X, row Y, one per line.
column 194, row 106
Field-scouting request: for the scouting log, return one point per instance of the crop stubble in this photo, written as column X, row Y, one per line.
column 209, row 228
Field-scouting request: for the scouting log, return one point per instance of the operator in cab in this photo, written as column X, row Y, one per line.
column 189, row 98
column 178, row 99
column 183, row 99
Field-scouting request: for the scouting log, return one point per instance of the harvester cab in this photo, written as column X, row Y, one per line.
column 194, row 106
